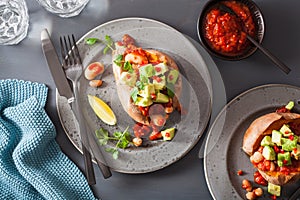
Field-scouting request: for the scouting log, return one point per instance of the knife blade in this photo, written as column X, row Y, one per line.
column 55, row 66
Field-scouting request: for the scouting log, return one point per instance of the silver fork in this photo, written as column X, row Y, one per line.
column 73, row 68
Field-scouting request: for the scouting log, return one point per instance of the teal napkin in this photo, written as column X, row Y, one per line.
column 32, row 165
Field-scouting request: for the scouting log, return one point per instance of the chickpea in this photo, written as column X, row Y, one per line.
column 247, row 185
column 169, row 110
column 258, row 192
column 256, row 157
column 137, row 141
column 95, row 83
column 272, row 166
column 250, row 195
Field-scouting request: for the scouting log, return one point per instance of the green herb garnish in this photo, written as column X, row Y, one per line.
column 118, row 60
column 109, row 43
column 123, row 140
column 128, row 67
column 134, row 94
column 92, row 41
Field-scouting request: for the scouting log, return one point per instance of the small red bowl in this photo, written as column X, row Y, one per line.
column 222, row 48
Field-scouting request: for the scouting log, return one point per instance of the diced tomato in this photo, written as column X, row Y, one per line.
column 155, row 136
column 282, row 110
column 239, row 172
column 273, row 197
column 259, row 179
column 291, row 137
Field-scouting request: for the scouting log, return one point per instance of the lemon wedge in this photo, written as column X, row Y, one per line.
column 102, row 110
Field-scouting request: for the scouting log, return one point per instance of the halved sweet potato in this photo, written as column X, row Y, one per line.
column 123, row 90
column 263, row 126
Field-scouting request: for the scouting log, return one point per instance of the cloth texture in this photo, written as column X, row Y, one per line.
column 32, row 165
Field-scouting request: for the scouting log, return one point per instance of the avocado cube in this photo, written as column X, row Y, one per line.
column 290, row 105
column 284, row 159
column 286, row 131
column 128, row 78
column 160, row 83
column 276, row 137
column 160, row 69
column 161, row 98
column 288, row 144
column 269, row 153
column 173, row 76
column 274, row 189
column 144, row 102
column 147, row 70
column 168, row 134
column 296, row 152
column 267, row 141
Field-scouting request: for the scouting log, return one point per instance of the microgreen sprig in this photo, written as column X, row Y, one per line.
column 109, row 43
column 123, row 140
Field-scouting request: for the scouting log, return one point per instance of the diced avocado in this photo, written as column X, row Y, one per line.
column 144, row 102
column 269, row 153
column 267, row 141
column 168, row 134
column 128, row 78
column 284, row 159
column 173, row 76
column 147, row 91
column 274, row 189
column 286, row 131
column 290, row 105
column 147, row 70
column 161, row 98
column 276, row 137
column 296, row 152
column 160, row 83
column 160, row 69
column 288, row 144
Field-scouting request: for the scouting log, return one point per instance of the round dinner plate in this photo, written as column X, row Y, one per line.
column 223, row 149
column 196, row 97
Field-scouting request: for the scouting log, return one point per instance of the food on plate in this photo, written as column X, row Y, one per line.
column 95, row 83
column 222, row 30
column 272, row 142
column 93, row 70
column 102, row 110
column 148, row 85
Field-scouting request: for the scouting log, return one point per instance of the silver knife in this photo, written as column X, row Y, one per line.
column 55, row 67
column 64, row 89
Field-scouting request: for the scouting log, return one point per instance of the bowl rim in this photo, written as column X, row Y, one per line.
column 259, row 22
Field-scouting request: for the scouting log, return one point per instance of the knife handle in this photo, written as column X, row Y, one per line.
column 89, row 169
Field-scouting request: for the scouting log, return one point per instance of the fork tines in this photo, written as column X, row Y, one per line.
column 70, row 54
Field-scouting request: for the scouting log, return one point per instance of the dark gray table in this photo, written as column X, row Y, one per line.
column 185, row 178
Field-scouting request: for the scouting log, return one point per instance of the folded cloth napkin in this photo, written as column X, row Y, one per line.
column 32, row 165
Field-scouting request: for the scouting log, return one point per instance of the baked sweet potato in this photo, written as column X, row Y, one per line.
column 127, row 59
column 275, row 171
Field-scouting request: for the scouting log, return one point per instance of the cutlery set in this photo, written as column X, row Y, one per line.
column 71, row 69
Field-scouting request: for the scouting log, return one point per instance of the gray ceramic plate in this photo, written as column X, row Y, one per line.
column 223, row 153
column 196, row 97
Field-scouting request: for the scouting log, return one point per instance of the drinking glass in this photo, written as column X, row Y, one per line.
column 14, row 21
column 64, row 8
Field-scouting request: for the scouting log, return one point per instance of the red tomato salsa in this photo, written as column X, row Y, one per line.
column 223, row 30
